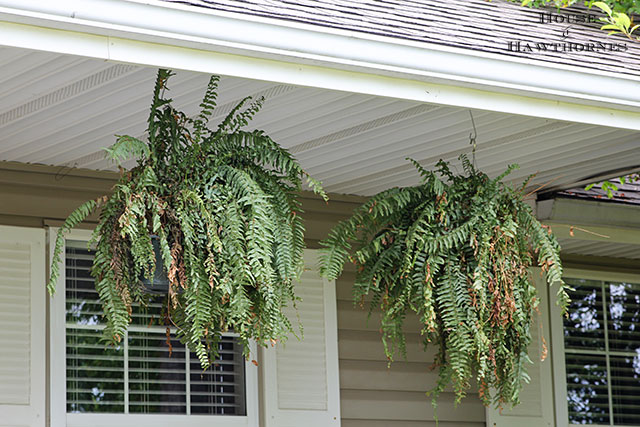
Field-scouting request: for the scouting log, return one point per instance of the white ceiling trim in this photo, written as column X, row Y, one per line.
column 482, row 82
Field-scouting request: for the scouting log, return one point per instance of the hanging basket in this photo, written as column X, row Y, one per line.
column 208, row 217
column 159, row 283
column 455, row 250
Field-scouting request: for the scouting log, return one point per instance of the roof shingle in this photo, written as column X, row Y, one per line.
column 627, row 193
column 479, row 25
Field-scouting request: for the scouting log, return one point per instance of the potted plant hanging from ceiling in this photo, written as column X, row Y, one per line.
column 455, row 250
column 220, row 207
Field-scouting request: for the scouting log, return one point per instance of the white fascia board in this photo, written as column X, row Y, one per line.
column 161, row 34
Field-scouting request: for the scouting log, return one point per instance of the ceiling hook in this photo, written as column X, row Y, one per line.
column 472, row 139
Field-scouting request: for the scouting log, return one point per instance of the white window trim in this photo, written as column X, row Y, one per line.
column 557, row 340
column 58, row 385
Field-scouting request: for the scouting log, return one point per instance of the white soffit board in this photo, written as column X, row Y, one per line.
column 62, row 110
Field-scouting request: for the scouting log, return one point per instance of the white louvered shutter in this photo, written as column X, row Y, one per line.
column 22, row 327
column 536, row 407
column 301, row 385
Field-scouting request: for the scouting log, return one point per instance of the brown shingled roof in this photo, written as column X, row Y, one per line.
column 470, row 24
column 628, row 193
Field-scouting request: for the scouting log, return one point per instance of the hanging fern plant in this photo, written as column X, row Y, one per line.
column 455, row 250
column 221, row 206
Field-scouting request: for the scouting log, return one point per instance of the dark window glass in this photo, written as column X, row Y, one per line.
column 602, row 353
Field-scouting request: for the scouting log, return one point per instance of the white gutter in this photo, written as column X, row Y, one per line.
column 165, row 34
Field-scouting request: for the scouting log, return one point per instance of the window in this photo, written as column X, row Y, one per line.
column 601, row 338
column 150, row 373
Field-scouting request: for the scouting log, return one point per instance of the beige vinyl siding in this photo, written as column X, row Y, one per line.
column 372, row 395
column 31, row 194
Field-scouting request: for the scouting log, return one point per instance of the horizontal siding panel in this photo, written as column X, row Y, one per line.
column 340, row 206
column 374, row 394
column 317, row 229
column 356, row 318
column 399, row 376
column 344, row 284
column 367, row 345
column 408, row 406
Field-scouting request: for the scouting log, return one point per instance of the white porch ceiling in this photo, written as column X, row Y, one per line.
column 62, row 110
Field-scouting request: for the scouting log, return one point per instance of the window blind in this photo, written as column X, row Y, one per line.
column 150, row 371
column 602, row 353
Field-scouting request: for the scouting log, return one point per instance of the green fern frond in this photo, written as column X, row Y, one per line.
column 221, row 205
column 125, row 148
column 456, row 250
column 228, row 123
column 76, row 217
column 207, row 106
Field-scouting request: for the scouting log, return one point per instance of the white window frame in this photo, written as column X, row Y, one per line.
column 557, row 340
column 58, row 381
